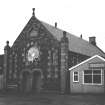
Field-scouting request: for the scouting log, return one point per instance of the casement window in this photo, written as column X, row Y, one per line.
column 92, row 76
column 75, row 76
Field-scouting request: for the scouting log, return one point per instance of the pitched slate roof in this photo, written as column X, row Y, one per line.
column 76, row 44
column 87, row 61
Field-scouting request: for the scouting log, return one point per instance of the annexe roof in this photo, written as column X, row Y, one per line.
column 87, row 61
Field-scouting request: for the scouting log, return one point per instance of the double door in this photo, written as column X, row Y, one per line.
column 31, row 82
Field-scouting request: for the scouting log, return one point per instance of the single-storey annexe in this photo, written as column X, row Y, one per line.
column 88, row 76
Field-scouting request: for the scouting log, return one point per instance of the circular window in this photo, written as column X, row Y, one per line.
column 33, row 53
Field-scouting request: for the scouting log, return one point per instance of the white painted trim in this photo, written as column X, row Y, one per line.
column 83, row 77
column 87, row 61
column 101, row 76
column 92, row 84
column 77, row 75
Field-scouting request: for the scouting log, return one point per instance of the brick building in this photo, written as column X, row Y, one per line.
column 40, row 57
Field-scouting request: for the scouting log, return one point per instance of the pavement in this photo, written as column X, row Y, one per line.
column 51, row 99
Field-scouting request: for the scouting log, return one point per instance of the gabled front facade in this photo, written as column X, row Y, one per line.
column 88, row 76
column 41, row 56
column 34, row 61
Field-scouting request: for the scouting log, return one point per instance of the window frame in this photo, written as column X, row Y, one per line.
column 92, row 78
column 76, row 75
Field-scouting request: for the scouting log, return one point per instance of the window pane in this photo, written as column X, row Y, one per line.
column 96, row 71
column 87, row 78
column 88, row 72
column 75, row 73
column 75, row 78
column 96, row 78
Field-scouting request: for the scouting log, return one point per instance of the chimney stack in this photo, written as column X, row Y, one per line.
column 92, row 40
column 55, row 24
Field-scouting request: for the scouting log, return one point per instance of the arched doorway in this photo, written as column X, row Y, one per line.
column 36, row 82
column 26, row 81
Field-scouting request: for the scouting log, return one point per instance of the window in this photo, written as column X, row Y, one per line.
column 75, row 76
column 87, row 76
column 92, row 76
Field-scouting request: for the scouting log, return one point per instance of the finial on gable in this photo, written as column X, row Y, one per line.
column 7, row 42
column 33, row 11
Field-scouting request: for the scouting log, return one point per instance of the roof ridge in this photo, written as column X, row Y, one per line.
column 62, row 30
column 77, row 44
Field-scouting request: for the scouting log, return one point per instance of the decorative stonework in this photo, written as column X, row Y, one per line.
column 15, row 67
column 35, row 35
column 6, row 63
column 64, row 62
column 49, row 64
column 55, row 63
column 10, row 67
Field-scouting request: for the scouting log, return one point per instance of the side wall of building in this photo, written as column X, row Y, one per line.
column 1, row 82
column 80, row 87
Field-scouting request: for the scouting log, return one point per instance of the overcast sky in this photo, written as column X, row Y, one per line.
column 86, row 17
